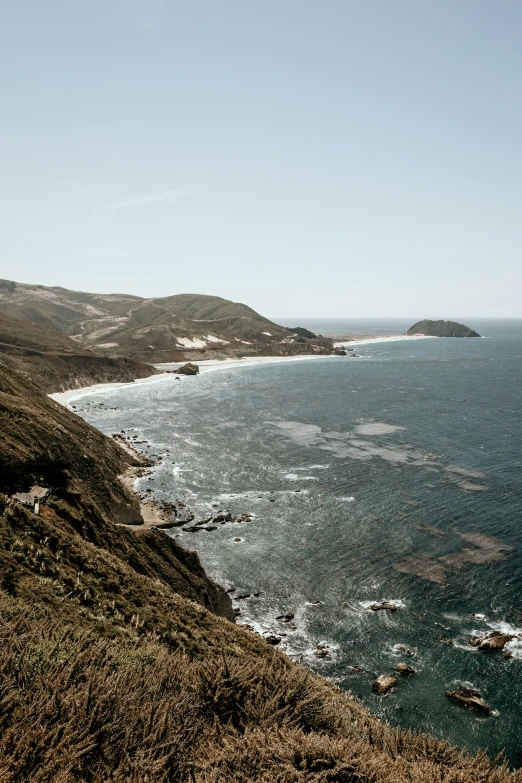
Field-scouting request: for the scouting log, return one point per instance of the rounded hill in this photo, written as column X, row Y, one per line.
column 441, row 329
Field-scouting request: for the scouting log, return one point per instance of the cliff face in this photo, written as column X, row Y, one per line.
column 163, row 329
column 54, row 362
column 45, row 444
column 441, row 329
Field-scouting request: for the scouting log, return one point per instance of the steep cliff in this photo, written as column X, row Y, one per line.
column 45, row 444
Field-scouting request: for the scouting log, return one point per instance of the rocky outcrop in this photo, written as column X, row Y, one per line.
column 493, row 641
column 385, row 606
column 273, row 640
column 384, row 683
column 441, row 329
column 188, row 369
column 469, row 697
column 404, row 669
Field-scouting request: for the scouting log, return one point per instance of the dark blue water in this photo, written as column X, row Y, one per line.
column 395, row 476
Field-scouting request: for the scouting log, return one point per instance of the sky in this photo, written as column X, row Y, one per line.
column 328, row 158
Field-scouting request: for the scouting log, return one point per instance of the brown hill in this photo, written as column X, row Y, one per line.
column 166, row 329
column 118, row 663
column 55, row 362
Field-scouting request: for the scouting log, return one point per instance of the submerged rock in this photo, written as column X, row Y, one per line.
column 406, row 650
column 493, row 641
column 470, row 698
column 405, row 670
column 384, row 683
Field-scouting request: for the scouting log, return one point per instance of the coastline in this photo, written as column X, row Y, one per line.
column 386, row 339
column 267, row 628
column 152, row 513
column 211, row 365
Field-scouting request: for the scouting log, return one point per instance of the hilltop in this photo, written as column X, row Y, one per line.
column 441, row 329
column 165, row 329
column 54, row 362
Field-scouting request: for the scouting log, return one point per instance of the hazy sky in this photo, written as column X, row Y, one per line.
column 318, row 157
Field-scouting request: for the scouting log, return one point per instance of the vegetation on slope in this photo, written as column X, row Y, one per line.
column 55, row 362
column 166, row 329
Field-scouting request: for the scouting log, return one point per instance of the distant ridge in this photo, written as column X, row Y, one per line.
column 162, row 329
column 441, row 329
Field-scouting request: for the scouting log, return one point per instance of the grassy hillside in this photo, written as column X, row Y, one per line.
column 166, row 329
column 118, row 662
column 212, row 308
column 55, row 362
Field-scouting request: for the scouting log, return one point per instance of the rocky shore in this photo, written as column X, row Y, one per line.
column 276, row 628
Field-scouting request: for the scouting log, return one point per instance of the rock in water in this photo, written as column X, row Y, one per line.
column 384, row 605
column 404, row 669
column 470, row 698
column 188, row 369
column 493, row 641
column 321, row 653
column 441, row 329
column 273, row 639
column 384, row 683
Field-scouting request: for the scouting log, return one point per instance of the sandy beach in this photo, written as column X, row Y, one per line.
column 211, row 365
column 385, row 339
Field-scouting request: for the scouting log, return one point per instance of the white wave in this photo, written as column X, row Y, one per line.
column 177, row 470
column 466, row 647
column 377, row 428
column 504, row 627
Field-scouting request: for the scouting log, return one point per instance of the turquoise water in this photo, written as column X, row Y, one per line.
column 395, row 476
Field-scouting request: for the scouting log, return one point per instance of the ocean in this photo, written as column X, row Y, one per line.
column 396, row 476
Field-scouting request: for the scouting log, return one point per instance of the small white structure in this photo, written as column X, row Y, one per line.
column 33, row 498
column 42, row 493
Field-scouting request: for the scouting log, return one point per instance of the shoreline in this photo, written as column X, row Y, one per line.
column 153, row 514
column 392, row 338
column 211, row 365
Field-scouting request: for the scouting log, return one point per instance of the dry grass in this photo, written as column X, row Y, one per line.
column 74, row 707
